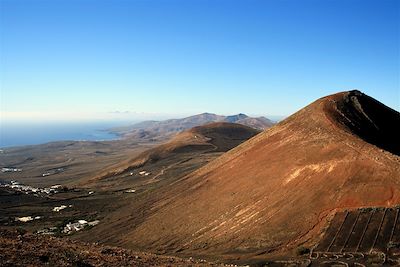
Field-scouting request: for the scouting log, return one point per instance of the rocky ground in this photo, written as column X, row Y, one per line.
column 18, row 248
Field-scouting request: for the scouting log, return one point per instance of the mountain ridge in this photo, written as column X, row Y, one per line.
column 166, row 128
column 213, row 137
column 280, row 188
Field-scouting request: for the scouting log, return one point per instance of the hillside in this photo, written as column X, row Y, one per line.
column 280, row 189
column 164, row 129
column 208, row 140
column 260, row 123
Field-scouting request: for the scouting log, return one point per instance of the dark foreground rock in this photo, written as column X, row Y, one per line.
column 22, row 249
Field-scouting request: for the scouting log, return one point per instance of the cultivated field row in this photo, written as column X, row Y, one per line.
column 363, row 230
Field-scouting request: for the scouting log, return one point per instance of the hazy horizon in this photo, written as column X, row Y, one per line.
column 108, row 60
column 120, row 118
column 13, row 132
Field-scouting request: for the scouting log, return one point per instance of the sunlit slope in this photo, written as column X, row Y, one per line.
column 278, row 189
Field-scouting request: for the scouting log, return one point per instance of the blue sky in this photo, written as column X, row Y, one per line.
column 87, row 59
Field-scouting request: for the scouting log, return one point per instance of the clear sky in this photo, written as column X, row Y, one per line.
column 91, row 59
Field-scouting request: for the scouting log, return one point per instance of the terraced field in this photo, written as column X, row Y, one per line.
column 362, row 230
column 367, row 235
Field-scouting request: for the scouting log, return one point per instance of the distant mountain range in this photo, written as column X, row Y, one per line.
column 162, row 129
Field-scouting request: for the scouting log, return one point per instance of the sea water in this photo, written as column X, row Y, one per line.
column 19, row 134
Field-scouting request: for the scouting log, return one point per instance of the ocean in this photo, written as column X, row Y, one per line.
column 20, row 134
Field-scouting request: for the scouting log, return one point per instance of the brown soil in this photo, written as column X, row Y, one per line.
column 276, row 191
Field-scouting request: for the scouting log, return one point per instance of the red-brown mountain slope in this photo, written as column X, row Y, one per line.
column 279, row 189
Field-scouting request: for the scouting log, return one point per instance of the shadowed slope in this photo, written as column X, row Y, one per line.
column 367, row 118
column 224, row 136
